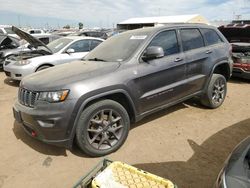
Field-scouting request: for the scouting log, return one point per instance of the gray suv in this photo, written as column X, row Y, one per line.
column 127, row 77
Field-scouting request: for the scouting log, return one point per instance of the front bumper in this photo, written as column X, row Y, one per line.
column 238, row 72
column 47, row 122
column 18, row 72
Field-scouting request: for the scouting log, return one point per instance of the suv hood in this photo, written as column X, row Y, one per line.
column 30, row 39
column 60, row 76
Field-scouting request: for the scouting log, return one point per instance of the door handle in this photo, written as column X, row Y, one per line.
column 178, row 59
column 209, row 51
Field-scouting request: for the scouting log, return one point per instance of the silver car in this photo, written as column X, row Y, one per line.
column 59, row 51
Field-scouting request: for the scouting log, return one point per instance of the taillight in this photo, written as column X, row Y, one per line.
column 244, row 66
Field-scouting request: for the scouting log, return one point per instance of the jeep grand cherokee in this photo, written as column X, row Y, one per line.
column 127, row 77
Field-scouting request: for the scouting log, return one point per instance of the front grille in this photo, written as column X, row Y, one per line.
column 26, row 97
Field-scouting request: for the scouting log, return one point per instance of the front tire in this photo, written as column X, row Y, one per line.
column 102, row 128
column 216, row 92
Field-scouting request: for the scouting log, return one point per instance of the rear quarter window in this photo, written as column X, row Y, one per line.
column 191, row 39
column 210, row 36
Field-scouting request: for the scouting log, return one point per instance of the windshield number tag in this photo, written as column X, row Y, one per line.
column 138, row 37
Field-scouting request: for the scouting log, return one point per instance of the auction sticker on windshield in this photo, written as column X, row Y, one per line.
column 138, row 37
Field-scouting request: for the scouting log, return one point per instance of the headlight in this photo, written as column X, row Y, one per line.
column 24, row 62
column 53, row 96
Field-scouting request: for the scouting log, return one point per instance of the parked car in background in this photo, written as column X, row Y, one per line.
column 124, row 79
column 46, row 38
column 15, row 48
column 94, row 33
column 239, row 36
column 7, row 30
column 236, row 170
column 7, row 43
column 36, row 31
column 57, row 52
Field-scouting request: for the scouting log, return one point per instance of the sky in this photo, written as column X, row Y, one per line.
column 107, row 13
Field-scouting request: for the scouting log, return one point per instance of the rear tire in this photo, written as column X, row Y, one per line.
column 216, row 92
column 102, row 128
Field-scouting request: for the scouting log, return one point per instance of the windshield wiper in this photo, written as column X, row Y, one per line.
column 96, row 59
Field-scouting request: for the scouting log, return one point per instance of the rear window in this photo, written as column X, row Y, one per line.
column 211, row 37
column 191, row 39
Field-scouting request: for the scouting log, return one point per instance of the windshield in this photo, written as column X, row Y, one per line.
column 119, row 48
column 56, row 45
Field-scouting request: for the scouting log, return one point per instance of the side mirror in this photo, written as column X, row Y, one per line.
column 153, row 52
column 70, row 51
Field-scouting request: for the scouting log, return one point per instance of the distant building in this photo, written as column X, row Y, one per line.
column 135, row 23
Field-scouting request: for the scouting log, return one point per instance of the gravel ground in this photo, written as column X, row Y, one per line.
column 185, row 143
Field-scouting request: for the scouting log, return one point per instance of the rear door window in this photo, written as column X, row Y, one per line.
column 211, row 37
column 191, row 39
column 168, row 41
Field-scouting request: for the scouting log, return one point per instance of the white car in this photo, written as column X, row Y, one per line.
column 6, row 30
column 57, row 52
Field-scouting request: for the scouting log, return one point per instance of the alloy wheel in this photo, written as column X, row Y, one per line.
column 218, row 91
column 105, row 129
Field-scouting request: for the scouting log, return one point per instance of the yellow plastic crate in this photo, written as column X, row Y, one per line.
column 121, row 175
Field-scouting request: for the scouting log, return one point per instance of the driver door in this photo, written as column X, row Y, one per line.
column 161, row 81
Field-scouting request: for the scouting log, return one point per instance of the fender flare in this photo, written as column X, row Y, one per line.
column 212, row 71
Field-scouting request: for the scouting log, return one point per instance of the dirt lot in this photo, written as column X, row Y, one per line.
column 186, row 143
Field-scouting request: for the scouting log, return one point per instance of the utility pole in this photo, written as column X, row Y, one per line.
column 19, row 22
